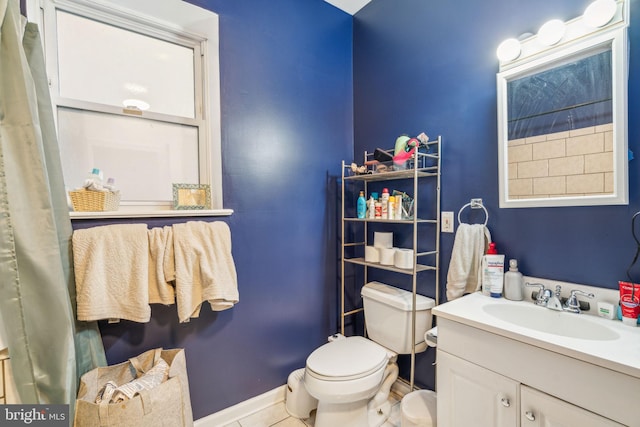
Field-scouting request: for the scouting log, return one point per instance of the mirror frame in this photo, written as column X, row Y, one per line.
column 615, row 36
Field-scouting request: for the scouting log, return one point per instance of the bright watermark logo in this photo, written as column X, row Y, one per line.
column 34, row 415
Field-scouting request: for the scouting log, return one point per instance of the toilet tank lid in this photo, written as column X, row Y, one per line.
column 395, row 297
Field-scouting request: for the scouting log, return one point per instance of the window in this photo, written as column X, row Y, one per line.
column 136, row 94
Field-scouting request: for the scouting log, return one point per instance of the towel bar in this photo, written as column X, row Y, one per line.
column 474, row 204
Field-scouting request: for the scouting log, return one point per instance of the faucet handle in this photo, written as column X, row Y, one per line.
column 543, row 293
column 535, row 285
column 575, row 292
column 572, row 304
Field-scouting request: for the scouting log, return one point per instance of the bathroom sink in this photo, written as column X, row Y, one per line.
column 551, row 322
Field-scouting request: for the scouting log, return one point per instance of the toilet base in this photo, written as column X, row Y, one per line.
column 379, row 415
column 370, row 412
column 353, row 414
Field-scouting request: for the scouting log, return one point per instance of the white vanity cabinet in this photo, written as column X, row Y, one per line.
column 469, row 395
column 490, row 373
column 538, row 409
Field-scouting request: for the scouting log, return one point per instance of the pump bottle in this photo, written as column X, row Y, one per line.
column 492, row 272
column 513, row 282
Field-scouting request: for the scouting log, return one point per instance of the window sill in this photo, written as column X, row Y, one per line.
column 150, row 213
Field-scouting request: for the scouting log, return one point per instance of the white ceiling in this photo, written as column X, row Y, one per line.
column 349, row 6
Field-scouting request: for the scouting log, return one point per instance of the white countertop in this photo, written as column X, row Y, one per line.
column 621, row 354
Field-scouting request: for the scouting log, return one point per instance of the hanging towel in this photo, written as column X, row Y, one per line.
column 205, row 270
column 161, row 266
column 468, row 248
column 112, row 272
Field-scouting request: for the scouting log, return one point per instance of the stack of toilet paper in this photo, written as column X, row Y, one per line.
column 385, row 253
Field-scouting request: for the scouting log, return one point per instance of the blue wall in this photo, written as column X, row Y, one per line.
column 431, row 66
column 286, row 77
column 297, row 98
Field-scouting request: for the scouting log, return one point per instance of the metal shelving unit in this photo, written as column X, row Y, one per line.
column 423, row 165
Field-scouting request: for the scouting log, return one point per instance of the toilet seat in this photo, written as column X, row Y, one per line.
column 347, row 359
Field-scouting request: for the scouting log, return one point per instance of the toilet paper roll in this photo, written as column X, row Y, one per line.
column 387, row 255
column 431, row 337
column 403, row 258
column 371, row 254
column 383, row 240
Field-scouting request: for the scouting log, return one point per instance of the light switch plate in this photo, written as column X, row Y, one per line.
column 447, row 222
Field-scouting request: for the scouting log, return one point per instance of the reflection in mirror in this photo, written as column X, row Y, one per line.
column 562, row 125
column 560, row 130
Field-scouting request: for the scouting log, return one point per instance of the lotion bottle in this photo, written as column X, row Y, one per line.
column 372, row 207
column 492, row 272
column 391, row 209
column 398, row 213
column 384, row 201
column 513, row 282
column 361, row 206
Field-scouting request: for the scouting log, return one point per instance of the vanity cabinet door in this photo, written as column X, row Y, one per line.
column 469, row 395
column 542, row 410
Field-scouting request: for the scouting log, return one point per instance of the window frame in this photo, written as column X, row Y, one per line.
column 198, row 29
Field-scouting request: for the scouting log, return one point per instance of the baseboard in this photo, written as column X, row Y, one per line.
column 400, row 387
column 242, row 409
column 234, row 413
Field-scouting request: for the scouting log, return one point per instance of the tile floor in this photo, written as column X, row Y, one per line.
column 277, row 416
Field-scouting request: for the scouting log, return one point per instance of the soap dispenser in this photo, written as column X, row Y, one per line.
column 513, row 282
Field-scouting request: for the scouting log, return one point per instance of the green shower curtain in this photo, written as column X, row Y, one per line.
column 49, row 349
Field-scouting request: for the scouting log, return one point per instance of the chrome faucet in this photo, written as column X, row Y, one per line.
column 546, row 298
column 543, row 294
column 572, row 304
column 554, row 302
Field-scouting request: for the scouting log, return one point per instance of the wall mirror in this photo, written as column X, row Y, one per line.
column 562, row 119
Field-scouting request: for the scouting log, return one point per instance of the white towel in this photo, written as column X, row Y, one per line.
column 469, row 246
column 205, row 270
column 112, row 272
column 161, row 266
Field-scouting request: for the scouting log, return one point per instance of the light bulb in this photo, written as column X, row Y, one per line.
column 136, row 104
column 551, row 32
column 600, row 12
column 508, row 50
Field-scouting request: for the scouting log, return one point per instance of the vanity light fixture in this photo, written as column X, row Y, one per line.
column 509, row 50
column 599, row 13
column 599, row 16
column 551, row 32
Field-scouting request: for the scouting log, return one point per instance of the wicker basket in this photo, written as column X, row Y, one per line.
column 94, row 201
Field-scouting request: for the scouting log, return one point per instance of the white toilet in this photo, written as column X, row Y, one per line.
column 351, row 377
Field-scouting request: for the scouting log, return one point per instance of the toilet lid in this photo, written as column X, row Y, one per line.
column 351, row 357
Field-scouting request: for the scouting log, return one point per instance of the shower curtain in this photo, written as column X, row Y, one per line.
column 49, row 349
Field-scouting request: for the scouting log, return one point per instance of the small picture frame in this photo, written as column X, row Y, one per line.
column 191, row 196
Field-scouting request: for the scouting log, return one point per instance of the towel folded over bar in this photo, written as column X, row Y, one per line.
column 205, row 270
column 112, row 272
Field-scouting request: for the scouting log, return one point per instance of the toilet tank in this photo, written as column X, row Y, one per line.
column 387, row 315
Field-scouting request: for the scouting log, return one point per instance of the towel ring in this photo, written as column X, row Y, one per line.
column 474, row 204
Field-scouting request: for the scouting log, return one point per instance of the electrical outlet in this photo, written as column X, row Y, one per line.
column 447, row 222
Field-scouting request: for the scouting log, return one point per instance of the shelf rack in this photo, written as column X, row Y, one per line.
column 420, row 167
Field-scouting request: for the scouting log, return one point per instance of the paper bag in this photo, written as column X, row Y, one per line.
column 167, row 404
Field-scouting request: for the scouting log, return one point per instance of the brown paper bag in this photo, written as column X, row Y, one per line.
column 167, row 405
